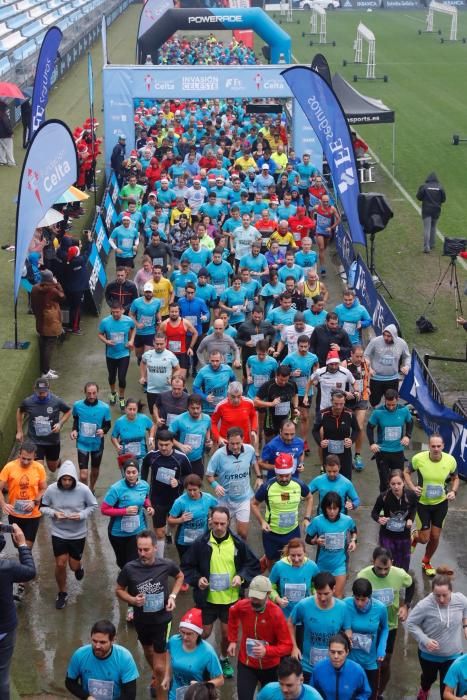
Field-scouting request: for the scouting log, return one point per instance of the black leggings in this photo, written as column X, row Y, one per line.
column 124, row 547
column 119, row 366
column 373, row 681
column 248, row 679
column 430, row 670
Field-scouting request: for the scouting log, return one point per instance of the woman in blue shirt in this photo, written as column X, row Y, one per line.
column 338, row 677
column 125, row 503
column 189, row 658
column 190, row 513
column 292, row 576
column 369, row 624
column 336, row 536
column 129, row 431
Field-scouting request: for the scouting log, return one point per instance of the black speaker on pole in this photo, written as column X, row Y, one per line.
column 374, row 212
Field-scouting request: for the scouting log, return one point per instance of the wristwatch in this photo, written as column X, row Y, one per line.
column 173, row 595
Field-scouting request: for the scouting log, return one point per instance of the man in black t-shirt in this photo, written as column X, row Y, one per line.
column 170, row 404
column 144, row 584
column 280, row 399
column 43, row 410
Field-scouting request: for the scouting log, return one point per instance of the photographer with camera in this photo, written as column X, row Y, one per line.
column 11, row 572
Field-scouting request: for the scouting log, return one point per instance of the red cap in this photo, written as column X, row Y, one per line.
column 193, row 620
column 332, row 356
column 134, row 153
column 73, row 251
column 284, row 464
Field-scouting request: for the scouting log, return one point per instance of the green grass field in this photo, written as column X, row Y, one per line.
column 426, row 88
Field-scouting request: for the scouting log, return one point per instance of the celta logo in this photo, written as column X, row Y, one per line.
column 212, row 19
column 164, row 85
column 33, row 184
column 59, row 171
column 273, row 85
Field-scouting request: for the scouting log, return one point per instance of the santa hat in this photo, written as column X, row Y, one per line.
column 284, row 464
column 332, row 356
column 73, row 251
column 192, row 620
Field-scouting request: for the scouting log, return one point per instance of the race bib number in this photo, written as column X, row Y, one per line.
column 251, row 643
column 153, row 602
column 88, row 429
column 387, row 360
column 358, row 386
column 180, row 291
column 190, row 536
column 175, row 345
column 117, row 338
column 21, row 506
column 362, row 642
column 147, row 321
column 219, row 582
column 336, row 447
column 42, row 426
column 384, row 595
column 180, row 692
column 134, row 448
column 300, row 382
column 103, row 690
column 165, row 475
column 434, row 491
column 395, row 524
column 259, row 380
column 317, row 654
column 282, row 408
column 192, row 319
column 130, row 523
column 158, row 261
column 392, row 432
column 349, row 328
column 127, row 242
column 295, row 591
column 196, row 267
column 287, row 519
column 193, row 440
column 170, row 419
column 220, row 288
column 333, row 541
column 257, row 336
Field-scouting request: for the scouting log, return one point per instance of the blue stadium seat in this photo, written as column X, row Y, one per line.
column 10, row 42
column 7, row 11
column 24, row 51
column 38, row 10
column 4, row 65
column 3, row 29
column 18, row 21
column 32, row 29
column 50, row 18
column 23, row 5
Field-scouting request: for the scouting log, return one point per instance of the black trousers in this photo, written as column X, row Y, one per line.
column 386, row 462
column 378, row 388
column 124, row 547
column 248, row 679
column 46, row 346
column 430, row 670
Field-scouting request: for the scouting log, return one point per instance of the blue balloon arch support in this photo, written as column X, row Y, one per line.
column 214, row 19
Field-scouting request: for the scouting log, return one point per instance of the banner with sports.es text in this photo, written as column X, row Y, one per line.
column 50, row 167
column 327, row 118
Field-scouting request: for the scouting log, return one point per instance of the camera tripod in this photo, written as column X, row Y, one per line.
column 370, row 259
column 453, row 284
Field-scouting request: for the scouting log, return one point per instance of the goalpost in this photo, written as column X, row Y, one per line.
column 365, row 34
column 444, row 9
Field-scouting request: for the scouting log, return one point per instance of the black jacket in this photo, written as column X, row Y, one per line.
column 117, row 157
column 247, row 329
column 196, row 563
column 76, row 273
column 432, row 195
column 321, row 339
column 123, row 293
column 12, row 572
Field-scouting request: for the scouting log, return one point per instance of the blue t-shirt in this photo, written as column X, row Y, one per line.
column 132, row 433
column 319, row 626
column 315, row 319
column 231, row 298
column 102, row 678
column 272, row 691
column 261, row 371
column 333, row 555
column 306, row 260
column 295, row 271
column 216, row 382
column 277, row 445
column 278, row 316
column 191, row 432
column 196, row 258
column 201, row 664
column 341, row 485
column 255, row 263
column 350, row 317
column 305, row 364
column 90, row 418
column 293, row 582
column 179, row 280
column 190, row 531
column 390, row 427
column 456, row 677
column 125, row 239
column 207, row 293
column 233, row 472
column 145, row 313
column 119, row 332
column 122, row 495
column 220, row 275
column 370, row 628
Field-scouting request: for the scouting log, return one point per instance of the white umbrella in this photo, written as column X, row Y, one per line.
column 52, row 216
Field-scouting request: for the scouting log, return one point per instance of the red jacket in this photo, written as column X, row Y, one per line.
column 243, row 416
column 269, row 626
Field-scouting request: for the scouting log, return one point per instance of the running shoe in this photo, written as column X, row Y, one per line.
column 19, row 592
column 227, row 668
column 61, row 600
column 358, row 463
column 307, row 448
column 428, row 569
column 113, row 398
column 121, row 403
column 77, row 332
column 130, row 614
column 79, row 574
column 323, row 272
column 423, row 694
column 51, row 374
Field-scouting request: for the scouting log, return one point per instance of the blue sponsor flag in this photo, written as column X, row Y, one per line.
column 43, row 78
column 326, row 116
column 90, row 83
column 50, row 167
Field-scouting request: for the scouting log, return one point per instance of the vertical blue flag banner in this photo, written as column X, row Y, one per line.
column 434, row 416
column 50, row 167
column 43, row 78
column 90, row 85
column 104, row 40
column 327, row 118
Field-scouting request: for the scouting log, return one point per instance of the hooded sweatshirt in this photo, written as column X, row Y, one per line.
column 386, row 358
column 78, row 499
column 428, row 620
column 432, row 195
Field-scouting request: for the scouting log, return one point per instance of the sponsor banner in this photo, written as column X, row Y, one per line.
column 152, row 10
column 401, row 4
column 50, row 168
column 374, row 303
column 434, row 416
column 43, row 78
column 97, row 281
column 101, row 239
column 326, row 116
column 356, row 4
column 105, row 57
column 321, row 66
column 344, row 247
column 109, row 213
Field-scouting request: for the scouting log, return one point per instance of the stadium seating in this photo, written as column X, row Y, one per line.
column 5, row 65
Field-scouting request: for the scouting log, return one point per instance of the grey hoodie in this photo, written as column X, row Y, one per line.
column 78, row 499
column 386, row 359
column 428, row 620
